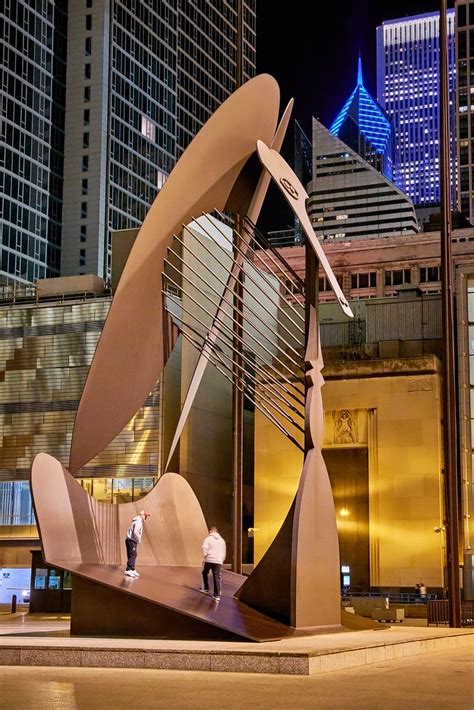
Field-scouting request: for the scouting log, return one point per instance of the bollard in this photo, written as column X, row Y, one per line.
column 14, row 604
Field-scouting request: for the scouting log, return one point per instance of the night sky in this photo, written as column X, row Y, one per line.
column 311, row 48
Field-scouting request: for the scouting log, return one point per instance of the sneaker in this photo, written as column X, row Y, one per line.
column 204, row 591
column 216, row 599
column 129, row 573
column 135, row 573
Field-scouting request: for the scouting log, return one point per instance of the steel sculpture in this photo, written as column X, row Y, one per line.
column 295, row 588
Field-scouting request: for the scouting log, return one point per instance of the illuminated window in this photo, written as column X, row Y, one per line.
column 148, row 129
column 160, row 178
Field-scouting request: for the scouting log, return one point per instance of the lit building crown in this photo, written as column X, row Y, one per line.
column 362, row 117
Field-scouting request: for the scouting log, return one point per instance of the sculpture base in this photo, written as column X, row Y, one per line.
column 98, row 610
column 165, row 602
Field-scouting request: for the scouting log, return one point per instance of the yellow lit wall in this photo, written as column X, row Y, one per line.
column 278, row 465
column 395, row 405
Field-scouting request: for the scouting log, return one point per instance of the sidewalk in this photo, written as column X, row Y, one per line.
column 44, row 640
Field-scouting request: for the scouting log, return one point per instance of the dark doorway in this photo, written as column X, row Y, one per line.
column 349, row 474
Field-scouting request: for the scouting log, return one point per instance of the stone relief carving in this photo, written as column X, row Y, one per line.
column 344, row 428
column 419, row 385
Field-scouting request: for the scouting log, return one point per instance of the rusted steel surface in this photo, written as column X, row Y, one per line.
column 297, row 582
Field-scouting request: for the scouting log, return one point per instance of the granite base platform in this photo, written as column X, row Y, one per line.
column 305, row 657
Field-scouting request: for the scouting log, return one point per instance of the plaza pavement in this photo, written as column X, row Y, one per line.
column 439, row 681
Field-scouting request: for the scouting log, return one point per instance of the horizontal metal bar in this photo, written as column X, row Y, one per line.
column 260, row 407
column 219, row 353
column 228, row 341
column 240, row 299
column 250, row 277
column 245, row 330
column 275, row 275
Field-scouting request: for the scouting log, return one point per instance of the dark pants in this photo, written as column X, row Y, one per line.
column 215, row 568
column 131, row 553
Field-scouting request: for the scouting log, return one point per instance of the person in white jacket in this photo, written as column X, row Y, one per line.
column 134, row 536
column 213, row 553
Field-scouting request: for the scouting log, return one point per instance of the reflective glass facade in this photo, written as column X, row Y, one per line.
column 207, row 59
column 147, row 77
column 142, row 76
column 45, row 354
column 408, row 90
column 16, row 507
column 33, row 80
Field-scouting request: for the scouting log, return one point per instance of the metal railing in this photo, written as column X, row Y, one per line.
column 438, row 612
column 17, row 293
column 393, row 597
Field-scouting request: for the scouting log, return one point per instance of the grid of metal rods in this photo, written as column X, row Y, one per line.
column 268, row 354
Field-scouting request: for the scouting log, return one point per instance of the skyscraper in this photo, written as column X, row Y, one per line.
column 365, row 127
column 408, row 90
column 33, row 85
column 465, row 108
column 113, row 114
column 349, row 198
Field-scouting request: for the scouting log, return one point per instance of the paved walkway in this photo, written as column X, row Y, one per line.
column 442, row 681
column 43, row 640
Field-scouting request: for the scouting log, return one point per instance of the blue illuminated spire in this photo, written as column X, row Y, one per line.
column 360, row 80
column 361, row 117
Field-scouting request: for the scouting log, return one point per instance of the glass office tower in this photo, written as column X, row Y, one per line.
column 99, row 99
column 146, row 77
column 33, row 83
column 408, row 90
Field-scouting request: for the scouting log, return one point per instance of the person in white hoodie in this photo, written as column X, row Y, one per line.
column 213, row 553
column 134, row 536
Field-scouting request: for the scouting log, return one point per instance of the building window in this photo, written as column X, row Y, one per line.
column 87, row 93
column 461, row 15
column 462, row 45
column 88, row 22
column 160, row 178
column 324, row 285
column 88, row 3
column 87, row 71
column 85, row 139
column 87, row 117
column 85, row 163
column 85, row 186
column 82, row 257
column 430, row 273
column 83, row 232
column 88, row 46
column 397, row 277
column 83, row 210
column 364, row 280
column 148, row 129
